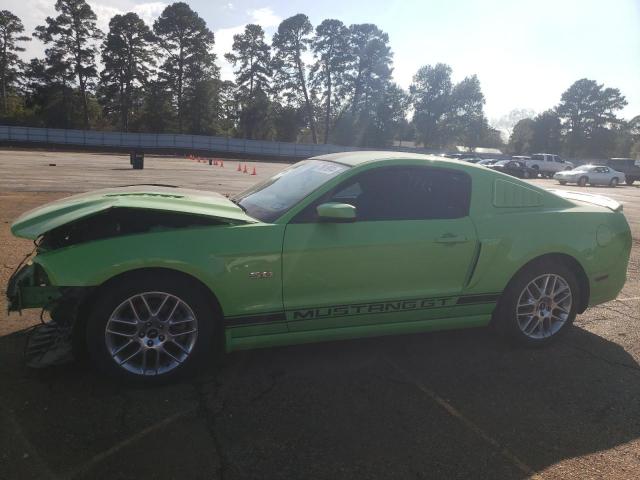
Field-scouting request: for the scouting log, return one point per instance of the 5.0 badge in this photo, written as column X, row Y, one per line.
column 258, row 275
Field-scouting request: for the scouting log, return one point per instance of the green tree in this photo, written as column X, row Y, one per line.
column 431, row 99
column 286, row 122
column 386, row 123
column 290, row 42
column 521, row 140
column 186, row 44
column 547, row 133
column 158, row 114
column 10, row 64
column 467, row 114
column 255, row 116
column 73, row 35
column 251, row 57
column 333, row 55
column 371, row 69
column 446, row 114
column 585, row 109
column 50, row 93
column 204, row 111
column 128, row 60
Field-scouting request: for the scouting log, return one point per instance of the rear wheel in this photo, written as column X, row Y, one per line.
column 150, row 328
column 614, row 182
column 629, row 181
column 538, row 304
column 582, row 182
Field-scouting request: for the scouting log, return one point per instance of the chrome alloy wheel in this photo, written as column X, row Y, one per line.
column 151, row 333
column 544, row 306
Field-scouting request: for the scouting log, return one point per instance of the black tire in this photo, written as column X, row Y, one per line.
column 629, row 181
column 114, row 294
column 614, row 182
column 562, row 182
column 582, row 181
column 505, row 318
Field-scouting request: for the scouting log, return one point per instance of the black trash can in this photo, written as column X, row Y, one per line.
column 137, row 160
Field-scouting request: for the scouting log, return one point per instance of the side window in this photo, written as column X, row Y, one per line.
column 401, row 193
column 549, row 158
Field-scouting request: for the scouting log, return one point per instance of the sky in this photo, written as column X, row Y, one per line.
column 525, row 52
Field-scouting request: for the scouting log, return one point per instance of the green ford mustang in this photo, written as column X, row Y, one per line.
column 149, row 279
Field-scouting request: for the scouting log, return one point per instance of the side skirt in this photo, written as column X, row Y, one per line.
column 344, row 333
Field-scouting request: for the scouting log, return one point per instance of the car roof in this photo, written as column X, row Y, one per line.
column 358, row 158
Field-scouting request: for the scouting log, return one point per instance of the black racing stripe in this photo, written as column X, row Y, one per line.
column 256, row 319
column 481, row 298
column 279, row 317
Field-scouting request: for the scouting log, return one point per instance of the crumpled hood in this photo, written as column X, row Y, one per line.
column 40, row 220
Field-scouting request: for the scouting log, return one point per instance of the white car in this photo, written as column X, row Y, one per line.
column 547, row 164
column 591, row 174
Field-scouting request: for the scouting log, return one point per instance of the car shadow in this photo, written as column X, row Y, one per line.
column 451, row 404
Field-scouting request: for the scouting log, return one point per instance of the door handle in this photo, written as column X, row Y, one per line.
column 450, row 238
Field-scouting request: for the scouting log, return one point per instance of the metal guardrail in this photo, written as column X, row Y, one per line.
column 169, row 141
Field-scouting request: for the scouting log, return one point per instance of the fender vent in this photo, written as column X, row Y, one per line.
column 512, row 195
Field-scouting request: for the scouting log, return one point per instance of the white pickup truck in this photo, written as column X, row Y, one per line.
column 546, row 164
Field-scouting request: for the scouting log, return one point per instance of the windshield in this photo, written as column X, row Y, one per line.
column 270, row 199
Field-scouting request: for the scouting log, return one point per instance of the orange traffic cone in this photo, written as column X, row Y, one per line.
column 239, row 169
column 245, row 169
column 254, row 171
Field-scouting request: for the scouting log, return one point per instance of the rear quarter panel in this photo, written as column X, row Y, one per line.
column 510, row 237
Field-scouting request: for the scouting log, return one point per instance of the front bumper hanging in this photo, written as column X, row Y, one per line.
column 50, row 343
column 29, row 288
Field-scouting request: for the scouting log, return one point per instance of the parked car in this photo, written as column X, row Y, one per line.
column 467, row 157
column 547, row 164
column 514, row 168
column 592, row 175
column 150, row 279
column 628, row 166
column 487, row 162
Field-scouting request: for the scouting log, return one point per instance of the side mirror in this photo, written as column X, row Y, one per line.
column 336, row 212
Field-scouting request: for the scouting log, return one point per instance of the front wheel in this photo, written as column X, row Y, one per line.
column 150, row 328
column 614, row 182
column 538, row 304
column 562, row 182
column 582, row 182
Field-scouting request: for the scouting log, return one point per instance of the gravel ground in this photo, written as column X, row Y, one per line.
column 446, row 405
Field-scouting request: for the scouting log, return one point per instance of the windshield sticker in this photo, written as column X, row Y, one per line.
column 327, row 168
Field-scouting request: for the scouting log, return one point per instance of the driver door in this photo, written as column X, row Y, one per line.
column 412, row 242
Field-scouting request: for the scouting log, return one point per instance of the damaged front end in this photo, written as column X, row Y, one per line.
column 29, row 288
column 51, row 342
column 62, row 275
